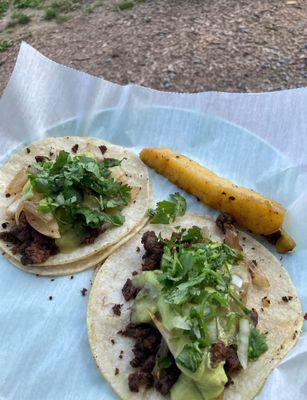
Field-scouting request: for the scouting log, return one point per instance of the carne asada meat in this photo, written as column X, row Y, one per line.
column 147, row 343
column 153, row 251
column 224, row 221
column 33, row 247
column 129, row 291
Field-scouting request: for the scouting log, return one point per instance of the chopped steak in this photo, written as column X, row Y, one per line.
column 129, row 291
column 75, row 148
column 167, row 377
column 33, row 247
column 254, row 317
column 117, row 309
column 139, row 378
column 224, row 221
column 218, row 353
column 153, row 251
column 147, row 344
column 232, row 362
column 103, row 148
column 90, row 235
column 41, row 158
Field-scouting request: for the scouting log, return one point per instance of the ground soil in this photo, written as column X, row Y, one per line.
column 176, row 45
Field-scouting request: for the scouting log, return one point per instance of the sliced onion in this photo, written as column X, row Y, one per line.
column 42, row 223
column 243, row 341
column 212, row 330
column 237, row 281
column 258, row 277
column 232, row 238
column 17, row 183
column 14, row 206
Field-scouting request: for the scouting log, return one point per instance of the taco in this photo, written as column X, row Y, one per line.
column 177, row 313
column 67, row 202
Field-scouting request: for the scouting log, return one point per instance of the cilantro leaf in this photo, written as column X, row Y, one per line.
column 257, row 344
column 190, row 357
column 79, row 190
column 166, row 211
column 193, row 234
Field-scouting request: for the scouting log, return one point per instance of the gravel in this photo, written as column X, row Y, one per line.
column 176, row 45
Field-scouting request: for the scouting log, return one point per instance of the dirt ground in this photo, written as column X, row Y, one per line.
column 176, row 45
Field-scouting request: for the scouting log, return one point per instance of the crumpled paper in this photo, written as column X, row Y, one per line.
column 258, row 140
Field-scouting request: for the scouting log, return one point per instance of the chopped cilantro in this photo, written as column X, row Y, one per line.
column 257, row 344
column 166, row 211
column 80, row 191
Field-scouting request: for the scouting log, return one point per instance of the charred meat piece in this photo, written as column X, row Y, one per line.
column 90, row 235
column 129, row 291
column 136, row 379
column 153, row 251
column 224, row 221
column 41, row 159
column 218, row 353
column 33, row 247
column 254, row 317
column 232, row 362
column 147, row 344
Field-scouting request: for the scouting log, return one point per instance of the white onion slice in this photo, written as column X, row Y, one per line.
column 42, row 223
column 258, row 278
column 243, row 341
column 237, row 281
column 17, row 183
column 212, row 330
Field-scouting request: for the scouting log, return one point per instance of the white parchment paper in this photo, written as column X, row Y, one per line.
column 43, row 344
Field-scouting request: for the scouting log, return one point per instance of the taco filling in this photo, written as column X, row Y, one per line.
column 191, row 327
column 62, row 202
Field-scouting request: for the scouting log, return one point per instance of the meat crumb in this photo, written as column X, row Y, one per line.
column 28, row 150
column 112, row 341
column 7, row 195
column 41, row 159
column 116, row 371
column 254, row 317
column 286, row 299
column 138, row 249
column 305, row 316
column 75, row 148
column 83, row 292
column 134, row 273
column 129, row 291
column 103, row 148
column 117, row 309
column 254, row 262
column 4, row 225
column 50, row 297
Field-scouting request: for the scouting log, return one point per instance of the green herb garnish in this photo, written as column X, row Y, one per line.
column 80, row 191
column 166, row 211
column 257, row 344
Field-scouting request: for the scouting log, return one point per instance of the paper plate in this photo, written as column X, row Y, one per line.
column 44, row 353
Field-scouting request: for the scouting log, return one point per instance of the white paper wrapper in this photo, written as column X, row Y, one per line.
column 43, row 349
